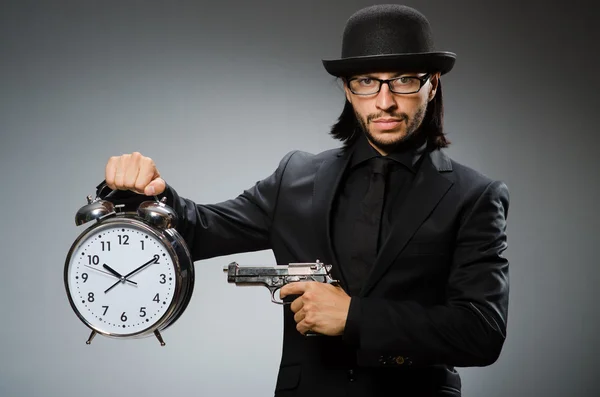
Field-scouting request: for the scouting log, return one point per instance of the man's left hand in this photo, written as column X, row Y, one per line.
column 321, row 308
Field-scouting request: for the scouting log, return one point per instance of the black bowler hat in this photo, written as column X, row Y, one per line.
column 388, row 37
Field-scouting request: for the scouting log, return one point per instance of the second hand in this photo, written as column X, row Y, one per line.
column 107, row 273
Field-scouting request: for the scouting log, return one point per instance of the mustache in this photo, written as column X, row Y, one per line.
column 400, row 116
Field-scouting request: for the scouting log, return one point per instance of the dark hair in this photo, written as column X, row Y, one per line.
column 347, row 129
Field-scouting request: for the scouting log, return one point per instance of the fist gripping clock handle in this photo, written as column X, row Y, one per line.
column 134, row 172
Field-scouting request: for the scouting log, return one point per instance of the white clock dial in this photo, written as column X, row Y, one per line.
column 121, row 279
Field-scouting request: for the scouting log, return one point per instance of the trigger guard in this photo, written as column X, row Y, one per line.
column 273, row 290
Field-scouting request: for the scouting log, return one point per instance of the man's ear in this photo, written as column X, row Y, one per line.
column 434, row 81
column 346, row 90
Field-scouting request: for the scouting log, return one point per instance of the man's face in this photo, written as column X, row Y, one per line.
column 386, row 117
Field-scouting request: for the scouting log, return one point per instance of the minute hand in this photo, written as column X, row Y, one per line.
column 151, row 261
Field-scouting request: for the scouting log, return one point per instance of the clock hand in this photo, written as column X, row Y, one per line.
column 117, row 274
column 153, row 260
column 102, row 271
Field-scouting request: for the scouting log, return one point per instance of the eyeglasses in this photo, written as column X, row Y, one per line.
column 365, row 85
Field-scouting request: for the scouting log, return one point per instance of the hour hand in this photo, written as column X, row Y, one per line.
column 113, row 271
column 117, row 274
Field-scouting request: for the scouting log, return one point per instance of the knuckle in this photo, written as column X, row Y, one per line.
column 139, row 186
column 128, row 183
column 124, row 160
column 309, row 319
column 147, row 162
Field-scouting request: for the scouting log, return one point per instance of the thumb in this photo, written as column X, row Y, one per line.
column 155, row 187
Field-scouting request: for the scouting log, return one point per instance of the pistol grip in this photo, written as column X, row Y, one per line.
column 312, row 333
column 290, row 298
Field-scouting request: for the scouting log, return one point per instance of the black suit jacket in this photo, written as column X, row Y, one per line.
column 437, row 296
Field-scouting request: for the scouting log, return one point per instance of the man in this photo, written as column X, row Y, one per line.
column 415, row 238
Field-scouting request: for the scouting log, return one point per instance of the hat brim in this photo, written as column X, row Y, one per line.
column 430, row 62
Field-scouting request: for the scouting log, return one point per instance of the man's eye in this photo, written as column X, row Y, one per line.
column 366, row 81
column 404, row 80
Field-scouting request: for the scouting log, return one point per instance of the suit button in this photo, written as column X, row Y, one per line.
column 399, row 360
column 351, row 375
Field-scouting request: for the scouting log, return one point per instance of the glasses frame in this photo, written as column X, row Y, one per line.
column 422, row 80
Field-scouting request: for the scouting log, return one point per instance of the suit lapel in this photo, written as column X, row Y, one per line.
column 427, row 190
column 327, row 180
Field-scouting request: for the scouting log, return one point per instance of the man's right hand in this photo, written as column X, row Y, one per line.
column 134, row 172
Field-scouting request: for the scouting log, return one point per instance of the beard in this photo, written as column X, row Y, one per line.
column 412, row 128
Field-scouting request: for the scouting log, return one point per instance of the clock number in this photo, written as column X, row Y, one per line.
column 123, row 317
column 142, row 241
column 163, row 278
column 107, row 246
column 123, row 239
column 142, row 312
column 84, row 276
column 156, row 298
column 93, row 260
column 105, row 310
column 91, row 297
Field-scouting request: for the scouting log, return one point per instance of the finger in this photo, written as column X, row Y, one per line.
column 155, row 187
column 308, row 322
column 299, row 316
column 295, row 288
column 131, row 171
column 120, row 172
column 297, row 304
column 303, row 327
column 110, row 170
column 147, row 180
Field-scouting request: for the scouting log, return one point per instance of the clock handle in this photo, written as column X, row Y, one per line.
column 100, row 188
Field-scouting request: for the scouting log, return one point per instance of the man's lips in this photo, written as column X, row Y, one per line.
column 387, row 123
column 385, row 120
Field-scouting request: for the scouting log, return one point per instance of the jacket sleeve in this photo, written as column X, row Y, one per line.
column 241, row 224
column 470, row 328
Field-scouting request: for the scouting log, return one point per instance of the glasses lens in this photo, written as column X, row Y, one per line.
column 364, row 86
column 405, row 85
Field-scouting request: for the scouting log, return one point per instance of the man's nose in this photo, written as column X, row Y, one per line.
column 385, row 98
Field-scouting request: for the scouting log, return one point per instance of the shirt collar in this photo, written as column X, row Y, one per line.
column 407, row 155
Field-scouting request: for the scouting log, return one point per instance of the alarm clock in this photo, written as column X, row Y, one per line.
column 130, row 274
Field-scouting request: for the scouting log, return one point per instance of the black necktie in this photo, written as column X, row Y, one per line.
column 366, row 241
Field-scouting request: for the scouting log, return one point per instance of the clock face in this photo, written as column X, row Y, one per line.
column 121, row 279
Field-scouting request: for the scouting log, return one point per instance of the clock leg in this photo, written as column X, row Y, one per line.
column 159, row 337
column 90, row 338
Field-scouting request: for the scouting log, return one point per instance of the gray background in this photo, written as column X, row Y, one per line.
column 216, row 93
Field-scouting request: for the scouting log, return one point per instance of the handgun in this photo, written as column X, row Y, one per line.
column 275, row 277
